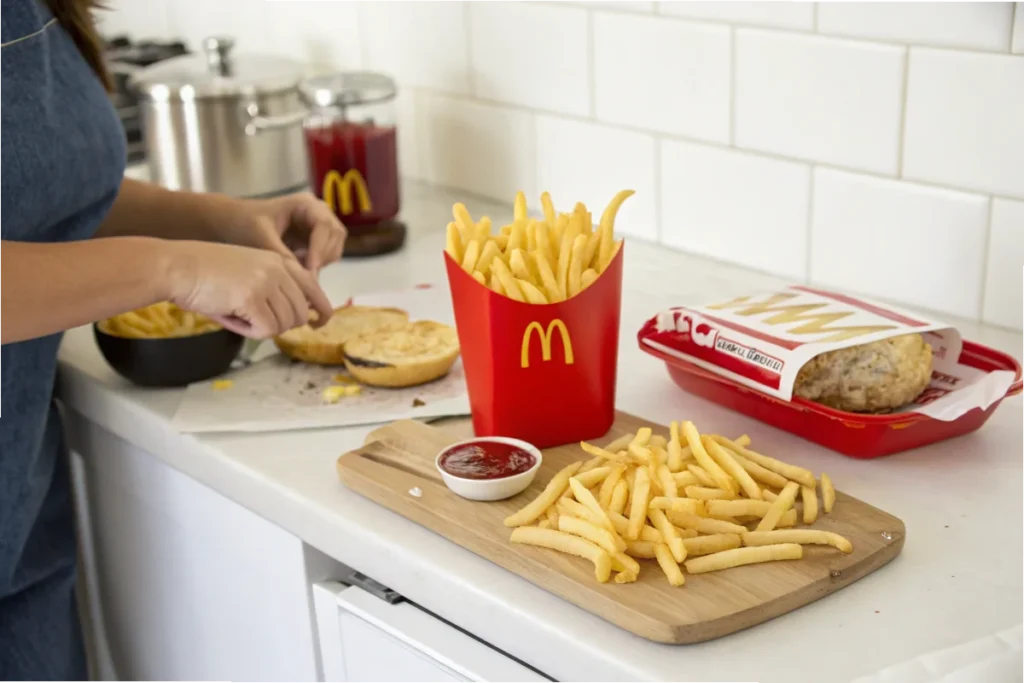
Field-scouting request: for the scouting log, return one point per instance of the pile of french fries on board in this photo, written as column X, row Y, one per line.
column 687, row 500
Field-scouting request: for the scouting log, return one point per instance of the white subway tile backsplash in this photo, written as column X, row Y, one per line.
column 735, row 207
column 973, row 25
column 138, row 20
column 244, row 20
column 669, row 76
column 1018, row 29
column 793, row 15
column 820, row 99
column 625, row 5
column 1004, row 287
column 410, row 135
column 578, row 161
column 482, row 148
column 965, row 120
column 897, row 240
column 419, row 43
column 531, row 54
column 321, row 35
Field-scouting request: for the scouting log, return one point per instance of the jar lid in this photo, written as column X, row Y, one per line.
column 217, row 72
column 347, row 88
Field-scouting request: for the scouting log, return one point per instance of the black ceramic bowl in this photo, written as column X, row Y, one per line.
column 171, row 361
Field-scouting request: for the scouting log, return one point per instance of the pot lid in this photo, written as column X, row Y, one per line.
column 347, row 88
column 216, row 72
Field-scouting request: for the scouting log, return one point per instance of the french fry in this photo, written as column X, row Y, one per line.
column 483, row 229
column 684, row 479
column 496, row 285
column 552, row 516
column 828, row 493
column 810, row 499
column 625, row 564
column 742, row 556
column 625, row 577
column 547, row 497
column 769, row 495
column 464, row 222
column 647, row 532
column 544, row 523
column 737, row 508
column 715, row 543
column 530, row 292
column 687, row 505
column 619, row 496
column 638, row 508
column 489, row 252
column 569, row 544
column 787, row 520
column 801, row 536
column 519, row 208
column 548, row 207
column 567, row 507
column 668, row 564
column 517, row 264
column 604, row 497
column 584, row 496
column 574, row 281
column 717, row 474
column 597, row 451
column 588, row 278
column 615, row 250
column 607, row 225
column 591, row 464
column 479, row 277
column 592, row 476
column 621, row 443
column 781, row 505
column 507, row 280
column 590, row 251
column 641, row 549
column 706, row 493
column 704, row 525
column 791, row 472
column 547, row 277
column 564, row 258
column 516, row 238
column 471, row 256
column 725, row 460
column 669, row 533
column 595, row 534
column 702, row 477
column 668, row 484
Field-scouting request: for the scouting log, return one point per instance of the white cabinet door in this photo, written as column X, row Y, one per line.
column 364, row 638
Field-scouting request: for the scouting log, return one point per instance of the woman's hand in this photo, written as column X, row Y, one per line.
column 295, row 226
column 258, row 293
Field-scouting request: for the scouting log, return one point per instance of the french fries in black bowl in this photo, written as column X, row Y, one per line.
column 164, row 346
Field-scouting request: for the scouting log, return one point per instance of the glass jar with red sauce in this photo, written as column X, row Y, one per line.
column 352, row 145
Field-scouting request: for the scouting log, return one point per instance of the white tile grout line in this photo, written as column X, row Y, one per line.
column 904, row 89
column 814, row 17
column 985, row 260
column 467, row 18
column 658, row 227
column 814, row 31
column 591, row 70
column 809, row 242
column 660, row 135
column 1013, row 25
column 732, row 85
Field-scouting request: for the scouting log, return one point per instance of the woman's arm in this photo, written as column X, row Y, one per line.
column 49, row 288
column 147, row 210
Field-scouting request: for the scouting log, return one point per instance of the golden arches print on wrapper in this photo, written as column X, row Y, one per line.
column 337, row 188
column 545, row 341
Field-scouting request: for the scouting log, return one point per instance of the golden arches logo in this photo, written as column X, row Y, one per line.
column 545, row 341
column 338, row 188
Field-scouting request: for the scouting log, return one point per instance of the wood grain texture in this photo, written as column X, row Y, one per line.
column 400, row 456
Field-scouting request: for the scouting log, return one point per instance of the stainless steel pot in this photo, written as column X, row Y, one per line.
column 217, row 122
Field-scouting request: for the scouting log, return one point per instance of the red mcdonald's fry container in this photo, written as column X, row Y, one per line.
column 541, row 373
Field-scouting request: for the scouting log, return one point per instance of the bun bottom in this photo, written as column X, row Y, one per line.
column 403, row 375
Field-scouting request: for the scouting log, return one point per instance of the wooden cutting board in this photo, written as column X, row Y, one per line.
column 399, row 457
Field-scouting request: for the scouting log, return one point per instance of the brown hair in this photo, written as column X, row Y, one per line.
column 75, row 16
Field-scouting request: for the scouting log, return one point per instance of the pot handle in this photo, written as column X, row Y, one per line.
column 256, row 123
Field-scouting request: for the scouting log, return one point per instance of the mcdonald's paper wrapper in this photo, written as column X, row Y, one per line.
column 542, row 373
column 762, row 341
column 274, row 393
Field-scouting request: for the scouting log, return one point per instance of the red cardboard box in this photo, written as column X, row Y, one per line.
column 541, row 373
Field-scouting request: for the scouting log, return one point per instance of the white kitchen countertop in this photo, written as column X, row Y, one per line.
column 960, row 500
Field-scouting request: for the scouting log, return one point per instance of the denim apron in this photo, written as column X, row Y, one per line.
column 63, row 157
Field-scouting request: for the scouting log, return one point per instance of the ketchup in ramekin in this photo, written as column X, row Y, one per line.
column 488, row 468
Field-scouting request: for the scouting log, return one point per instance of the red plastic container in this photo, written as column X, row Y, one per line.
column 541, row 373
column 852, row 434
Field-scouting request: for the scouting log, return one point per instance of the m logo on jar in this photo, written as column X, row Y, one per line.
column 545, row 341
column 338, row 189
